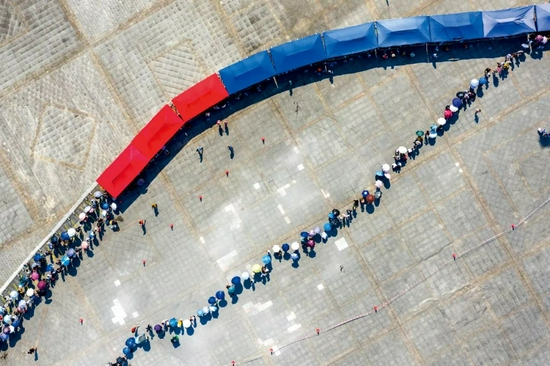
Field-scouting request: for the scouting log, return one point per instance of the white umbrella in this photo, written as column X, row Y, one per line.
column 30, row 292
column 82, row 216
column 104, row 213
column 85, row 245
column 97, row 194
column 441, row 121
column 378, row 184
column 113, row 206
column 245, row 276
column 206, row 310
column 71, row 232
column 88, row 209
column 295, row 246
column 276, row 248
column 186, row 323
column 14, row 295
column 474, row 83
column 453, row 108
column 385, row 168
column 402, row 150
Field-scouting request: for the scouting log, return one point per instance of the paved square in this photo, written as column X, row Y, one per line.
column 82, row 77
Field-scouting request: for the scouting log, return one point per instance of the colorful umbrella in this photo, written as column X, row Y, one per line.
column 173, row 322
column 256, row 268
column 65, row 260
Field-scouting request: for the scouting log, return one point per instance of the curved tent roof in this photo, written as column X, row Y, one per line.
column 508, row 22
column 200, row 97
column 403, row 31
column 247, row 72
column 543, row 17
column 456, row 27
column 298, row 53
column 347, row 41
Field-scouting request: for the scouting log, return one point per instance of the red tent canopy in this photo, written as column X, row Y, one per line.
column 200, row 97
column 164, row 125
column 122, row 171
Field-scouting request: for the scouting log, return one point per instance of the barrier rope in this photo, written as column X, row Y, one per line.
column 376, row 309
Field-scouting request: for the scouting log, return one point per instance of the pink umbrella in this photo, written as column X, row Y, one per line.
column 82, row 216
column 42, row 285
column 448, row 114
column 311, row 243
column 538, row 38
column 34, row 276
column 378, row 184
column 85, row 245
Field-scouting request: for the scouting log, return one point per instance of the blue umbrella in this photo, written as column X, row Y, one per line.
column 65, row 261
column 286, row 247
column 220, row 295
column 365, row 193
column 4, row 337
column 231, row 290
column 127, row 351
column 16, row 324
column 379, row 173
column 105, row 205
column 327, row 227
column 130, row 342
column 65, row 235
column 303, row 234
column 266, row 259
column 70, row 252
column 49, row 267
column 236, row 280
column 211, row 300
column 294, row 256
column 482, row 80
column 54, row 239
column 200, row 313
column 91, row 235
column 173, row 322
column 331, row 216
column 38, row 257
column 457, row 102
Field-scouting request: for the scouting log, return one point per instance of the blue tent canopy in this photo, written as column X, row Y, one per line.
column 403, row 31
column 543, row 17
column 298, row 53
column 456, row 27
column 247, row 72
column 347, row 41
column 508, row 22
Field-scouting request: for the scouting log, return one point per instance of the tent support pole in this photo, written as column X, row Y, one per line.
column 427, row 53
column 275, row 80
